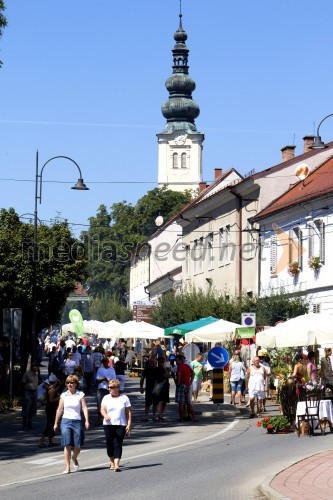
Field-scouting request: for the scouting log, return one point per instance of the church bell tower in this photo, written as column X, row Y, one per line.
column 180, row 144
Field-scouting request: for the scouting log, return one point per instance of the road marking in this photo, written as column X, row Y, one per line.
column 163, row 450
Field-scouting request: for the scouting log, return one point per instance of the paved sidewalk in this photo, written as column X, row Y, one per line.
column 308, row 479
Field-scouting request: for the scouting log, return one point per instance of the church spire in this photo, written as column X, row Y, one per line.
column 180, row 110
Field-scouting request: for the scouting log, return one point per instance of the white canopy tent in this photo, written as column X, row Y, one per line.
column 110, row 330
column 215, row 332
column 141, row 330
column 89, row 326
column 308, row 329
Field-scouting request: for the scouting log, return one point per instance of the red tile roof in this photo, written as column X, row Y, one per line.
column 318, row 183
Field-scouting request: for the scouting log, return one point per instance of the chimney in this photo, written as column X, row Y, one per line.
column 288, row 153
column 202, row 186
column 308, row 141
column 218, row 172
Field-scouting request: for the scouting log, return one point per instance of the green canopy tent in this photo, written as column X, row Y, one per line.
column 189, row 327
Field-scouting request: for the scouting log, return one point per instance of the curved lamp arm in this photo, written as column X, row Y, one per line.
column 318, row 143
column 79, row 185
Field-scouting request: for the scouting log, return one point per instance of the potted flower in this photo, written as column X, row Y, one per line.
column 313, row 387
column 277, row 423
column 294, row 268
column 314, row 263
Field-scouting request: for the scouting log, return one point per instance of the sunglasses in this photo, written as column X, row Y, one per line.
column 70, row 383
column 113, row 387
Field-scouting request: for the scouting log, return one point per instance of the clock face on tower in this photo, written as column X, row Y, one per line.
column 180, row 139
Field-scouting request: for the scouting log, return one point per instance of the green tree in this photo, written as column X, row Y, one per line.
column 190, row 305
column 3, row 20
column 108, row 308
column 59, row 265
column 114, row 236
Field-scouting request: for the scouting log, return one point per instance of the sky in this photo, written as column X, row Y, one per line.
column 87, row 80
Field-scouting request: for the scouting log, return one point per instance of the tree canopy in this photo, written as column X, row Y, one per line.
column 3, row 20
column 59, row 265
column 176, row 308
column 114, row 235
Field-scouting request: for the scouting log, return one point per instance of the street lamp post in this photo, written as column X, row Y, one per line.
column 318, row 143
column 38, row 196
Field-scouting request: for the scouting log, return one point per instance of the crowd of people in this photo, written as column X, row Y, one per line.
column 74, row 367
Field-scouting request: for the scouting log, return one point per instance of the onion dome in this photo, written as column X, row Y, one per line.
column 180, row 110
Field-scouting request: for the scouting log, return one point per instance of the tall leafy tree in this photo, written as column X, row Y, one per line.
column 60, row 263
column 3, row 20
column 176, row 308
column 114, row 235
column 108, row 308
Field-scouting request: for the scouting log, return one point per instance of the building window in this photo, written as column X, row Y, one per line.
column 316, row 240
column 187, row 261
column 249, row 248
column 175, row 160
column 210, row 252
column 198, row 256
column 273, row 254
column 224, row 236
column 183, row 160
column 296, row 246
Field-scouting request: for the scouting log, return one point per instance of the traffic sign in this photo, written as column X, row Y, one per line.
column 218, row 357
column 248, row 319
column 190, row 351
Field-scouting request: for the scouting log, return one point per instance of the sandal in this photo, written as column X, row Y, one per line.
column 42, row 445
column 161, row 419
column 251, row 415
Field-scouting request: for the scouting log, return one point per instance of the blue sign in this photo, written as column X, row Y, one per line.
column 218, row 357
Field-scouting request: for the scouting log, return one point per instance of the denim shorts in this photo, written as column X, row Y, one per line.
column 236, row 385
column 72, row 433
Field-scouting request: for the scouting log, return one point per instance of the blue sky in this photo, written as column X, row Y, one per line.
column 86, row 80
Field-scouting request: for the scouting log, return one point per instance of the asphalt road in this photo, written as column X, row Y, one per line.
column 219, row 457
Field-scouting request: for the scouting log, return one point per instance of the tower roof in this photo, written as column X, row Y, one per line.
column 180, row 110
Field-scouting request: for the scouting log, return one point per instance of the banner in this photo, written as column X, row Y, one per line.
column 77, row 322
column 247, row 332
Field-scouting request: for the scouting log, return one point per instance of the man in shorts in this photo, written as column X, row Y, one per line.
column 197, row 368
column 256, row 384
column 184, row 378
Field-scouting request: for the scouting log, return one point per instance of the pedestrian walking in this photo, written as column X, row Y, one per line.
column 149, row 375
column 117, row 414
column 52, row 401
column 161, row 388
column 103, row 375
column 255, row 381
column 71, row 403
column 184, row 378
column 197, row 368
column 120, row 368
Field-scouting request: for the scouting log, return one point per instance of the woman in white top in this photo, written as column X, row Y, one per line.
column 236, row 376
column 72, row 432
column 117, row 413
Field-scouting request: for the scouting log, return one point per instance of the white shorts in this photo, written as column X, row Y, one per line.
column 258, row 394
column 196, row 384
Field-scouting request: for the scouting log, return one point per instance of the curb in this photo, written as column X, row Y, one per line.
column 268, row 491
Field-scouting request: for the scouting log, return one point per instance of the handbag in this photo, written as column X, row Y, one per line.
column 157, row 388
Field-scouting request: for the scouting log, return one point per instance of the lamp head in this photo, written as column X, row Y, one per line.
column 80, row 186
column 318, row 143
